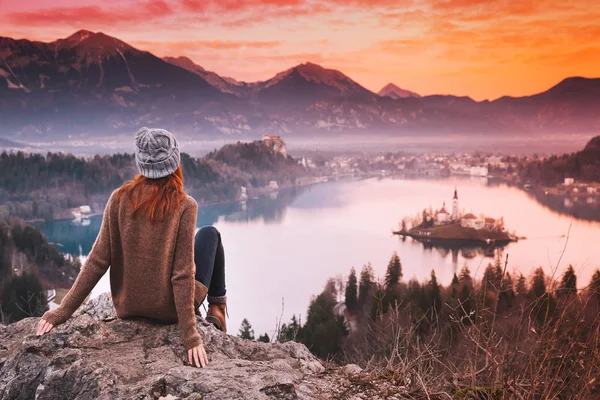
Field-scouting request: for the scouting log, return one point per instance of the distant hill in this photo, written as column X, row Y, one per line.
column 90, row 84
column 583, row 166
column 393, row 91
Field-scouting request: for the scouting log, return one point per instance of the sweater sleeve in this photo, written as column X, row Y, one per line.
column 93, row 269
column 182, row 278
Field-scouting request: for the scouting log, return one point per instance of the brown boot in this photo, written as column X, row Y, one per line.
column 200, row 292
column 217, row 310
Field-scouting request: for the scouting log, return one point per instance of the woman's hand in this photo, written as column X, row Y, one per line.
column 43, row 327
column 197, row 356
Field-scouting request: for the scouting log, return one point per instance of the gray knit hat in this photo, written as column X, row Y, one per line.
column 156, row 153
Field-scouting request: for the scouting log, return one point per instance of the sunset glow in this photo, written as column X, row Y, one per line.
column 480, row 48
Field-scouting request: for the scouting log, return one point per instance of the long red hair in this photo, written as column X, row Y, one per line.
column 154, row 198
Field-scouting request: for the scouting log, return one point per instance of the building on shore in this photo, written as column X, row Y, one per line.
column 81, row 215
column 442, row 215
column 243, row 194
column 490, row 223
column 471, row 221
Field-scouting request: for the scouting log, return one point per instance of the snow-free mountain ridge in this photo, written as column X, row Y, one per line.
column 91, row 84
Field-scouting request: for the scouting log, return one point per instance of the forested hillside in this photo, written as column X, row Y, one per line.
column 28, row 263
column 46, row 186
column 583, row 166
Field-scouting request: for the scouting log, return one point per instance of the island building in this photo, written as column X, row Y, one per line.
column 469, row 220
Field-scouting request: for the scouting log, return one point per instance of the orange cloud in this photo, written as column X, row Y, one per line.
column 235, row 5
column 206, row 44
column 91, row 15
column 483, row 48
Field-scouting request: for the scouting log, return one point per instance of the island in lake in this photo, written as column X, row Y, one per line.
column 444, row 228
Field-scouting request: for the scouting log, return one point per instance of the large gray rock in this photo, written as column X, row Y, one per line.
column 95, row 355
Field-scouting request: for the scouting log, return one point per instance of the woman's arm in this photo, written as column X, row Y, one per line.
column 93, row 269
column 182, row 278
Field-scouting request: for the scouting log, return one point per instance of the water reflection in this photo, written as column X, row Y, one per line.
column 457, row 251
column 77, row 239
column 585, row 206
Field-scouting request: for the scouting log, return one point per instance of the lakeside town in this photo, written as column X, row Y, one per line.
column 562, row 192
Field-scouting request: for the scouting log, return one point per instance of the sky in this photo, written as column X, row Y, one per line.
column 479, row 48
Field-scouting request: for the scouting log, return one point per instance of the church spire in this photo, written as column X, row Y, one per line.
column 455, row 216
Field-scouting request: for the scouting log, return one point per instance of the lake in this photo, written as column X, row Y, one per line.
column 281, row 250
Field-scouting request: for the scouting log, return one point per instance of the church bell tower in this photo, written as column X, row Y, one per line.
column 455, row 216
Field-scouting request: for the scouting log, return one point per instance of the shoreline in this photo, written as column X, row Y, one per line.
column 254, row 194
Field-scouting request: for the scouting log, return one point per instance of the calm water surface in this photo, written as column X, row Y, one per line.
column 286, row 248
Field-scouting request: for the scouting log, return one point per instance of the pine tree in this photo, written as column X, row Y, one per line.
column 331, row 288
column 246, row 331
column 595, row 285
column 455, row 286
column 23, row 297
column 544, row 305
column 365, row 285
column 467, row 304
column 568, row 284
column 498, row 266
column 455, row 280
column 378, row 307
column 264, row 338
column 465, row 276
column 506, row 296
column 521, row 285
column 492, row 277
column 323, row 331
column 290, row 331
column 488, row 277
column 434, row 294
column 538, row 284
column 5, row 253
column 351, row 292
column 393, row 273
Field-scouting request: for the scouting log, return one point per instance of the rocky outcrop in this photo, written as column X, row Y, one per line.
column 95, row 355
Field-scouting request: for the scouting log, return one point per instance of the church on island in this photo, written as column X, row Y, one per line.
column 469, row 220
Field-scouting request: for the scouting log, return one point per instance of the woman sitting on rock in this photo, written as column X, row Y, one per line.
column 160, row 269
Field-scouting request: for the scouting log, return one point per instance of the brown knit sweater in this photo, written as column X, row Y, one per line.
column 152, row 268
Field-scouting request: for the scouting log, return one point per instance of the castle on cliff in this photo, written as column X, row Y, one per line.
column 276, row 144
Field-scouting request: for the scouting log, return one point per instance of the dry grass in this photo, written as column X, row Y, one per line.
column 540, row 349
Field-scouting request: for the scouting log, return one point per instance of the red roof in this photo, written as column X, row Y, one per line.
column 469, row 216
column 490, row 220
column 443, row 211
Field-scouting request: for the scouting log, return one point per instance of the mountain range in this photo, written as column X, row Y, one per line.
column 92, row 84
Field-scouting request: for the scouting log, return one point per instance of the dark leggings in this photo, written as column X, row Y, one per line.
column 209, row 258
